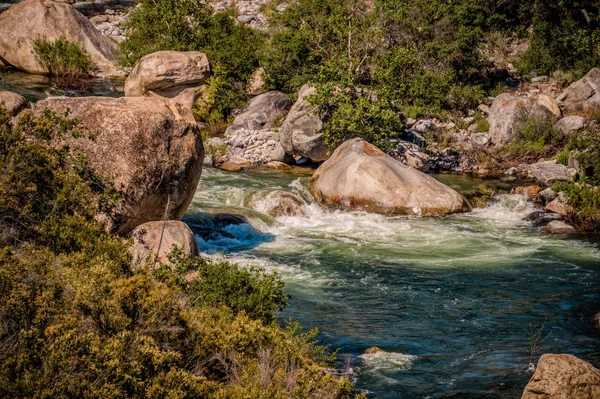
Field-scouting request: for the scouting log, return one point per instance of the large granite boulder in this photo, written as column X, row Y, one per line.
column 583, row 94
column 302, row 131
column 563, row 377
column 156, row 240
column 263, row 112
column 508, row 111
column 29, row 20
column 167, row 73
column 151, row 151
column 12, row 102
column 360, row 176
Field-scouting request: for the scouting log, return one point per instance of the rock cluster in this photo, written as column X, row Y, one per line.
column 112, row 24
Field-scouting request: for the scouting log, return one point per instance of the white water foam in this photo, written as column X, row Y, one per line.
column 374, row 362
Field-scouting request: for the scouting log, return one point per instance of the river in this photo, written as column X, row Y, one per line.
column 453, row 301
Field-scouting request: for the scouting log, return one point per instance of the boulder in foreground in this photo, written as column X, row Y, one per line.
column 156, row 240
column 153, row 154
column 360, row 176
column 29, row 20
column 563, row 377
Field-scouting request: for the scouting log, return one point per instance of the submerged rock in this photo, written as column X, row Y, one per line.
column 563, row 377
column 372, row 350
column 152, row 153
column 558, row 227
column 277, row 203
column 302, row 131
column 158, row 239
column 25, row 22
column 167, row 73
column 360, row 176
column 13, row 102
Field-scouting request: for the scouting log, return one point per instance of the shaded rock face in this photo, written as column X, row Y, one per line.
column 153, row 154
column 301, row 132
column 508, row 111
column 360, row 176
column 156, row 240
column 167, row 73
column 583, row 94
column 29, row 20
column 13, row 102
column 563, row 377
column 263, row 112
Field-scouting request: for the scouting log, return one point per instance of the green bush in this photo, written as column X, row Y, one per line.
column 565, row 36
column 536, row 135
column 67, row 63
column 77, row 321
column 355, row 113
column 585, row 199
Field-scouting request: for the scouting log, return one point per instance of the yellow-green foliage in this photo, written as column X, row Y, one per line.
column 67, row 63
column 78, row 322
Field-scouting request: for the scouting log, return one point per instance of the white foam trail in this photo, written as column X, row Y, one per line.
column 386, row 361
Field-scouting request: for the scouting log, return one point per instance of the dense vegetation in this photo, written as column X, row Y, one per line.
column 372, row 61
column 76, row 320
column 68, row 64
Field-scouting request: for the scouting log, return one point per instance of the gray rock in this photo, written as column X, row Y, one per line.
column 263, row 112
column 508, row 111
column 480, row 139
column 570, row 124
column 302, row 131
column 583, row 94
column 423, row 126
column 558, row 227
column 549, row 172
column 539, row 79
column 547, row 195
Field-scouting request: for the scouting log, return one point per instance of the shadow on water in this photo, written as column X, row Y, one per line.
column 225, row 232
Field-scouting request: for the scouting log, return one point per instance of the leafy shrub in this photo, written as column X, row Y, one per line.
column 565, row 37
column 585, row 199
column 67, row 63
column 482, row 125
column 354, row 113
column 586, row 144
column 77, row 321
column 535, row 135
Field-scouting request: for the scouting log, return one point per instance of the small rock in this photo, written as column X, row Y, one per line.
column 558, row 227
column 372, row 350
column 277, row 165
column 559, row 206
column 13, row 102
column 547, row 195
column 539, row 79
column 570, row 124
column 234, row 164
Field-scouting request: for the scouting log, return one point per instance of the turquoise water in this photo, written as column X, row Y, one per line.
column 453, row 301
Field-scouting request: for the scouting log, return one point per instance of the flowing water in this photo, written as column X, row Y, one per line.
column 453, row 301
